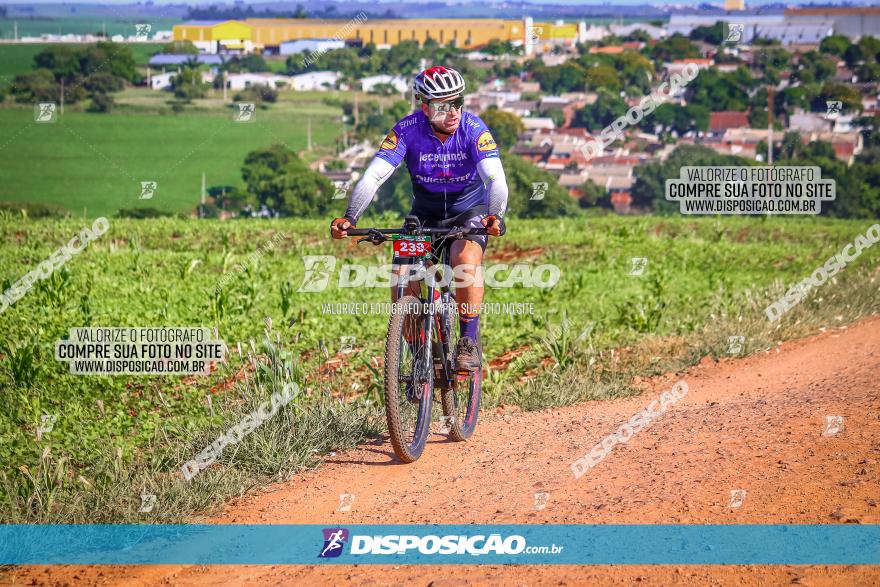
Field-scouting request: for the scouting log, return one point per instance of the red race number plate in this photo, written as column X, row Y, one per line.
column 412, row 246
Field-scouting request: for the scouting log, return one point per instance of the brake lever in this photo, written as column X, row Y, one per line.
column 374, row 237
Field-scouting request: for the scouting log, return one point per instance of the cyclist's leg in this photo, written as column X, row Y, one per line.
column 467, row 258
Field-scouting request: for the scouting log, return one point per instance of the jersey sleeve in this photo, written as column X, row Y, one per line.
column 393, row 147
column 482, row 143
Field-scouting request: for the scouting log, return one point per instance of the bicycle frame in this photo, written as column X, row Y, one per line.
column 412, row 227
column 427, row 287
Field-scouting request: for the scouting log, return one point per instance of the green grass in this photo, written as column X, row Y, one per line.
column 95, row 162
column 706, row 280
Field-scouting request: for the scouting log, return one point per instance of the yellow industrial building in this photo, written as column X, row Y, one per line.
column 256, row 34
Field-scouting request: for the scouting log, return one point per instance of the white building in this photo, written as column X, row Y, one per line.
column 654, row 32
column 240, row 81
column 537, row 123
column 591, row 33
column 309, row 45
column 368, row 84
column 161, row 81
column 315, row 80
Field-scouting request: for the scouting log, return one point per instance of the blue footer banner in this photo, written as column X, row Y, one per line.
column 561, row 544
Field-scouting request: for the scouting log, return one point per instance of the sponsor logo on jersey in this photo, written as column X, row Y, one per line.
column 485, row 142
column 390, row 141
column 457, row 156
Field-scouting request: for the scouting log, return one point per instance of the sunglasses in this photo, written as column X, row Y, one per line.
column 445, row 107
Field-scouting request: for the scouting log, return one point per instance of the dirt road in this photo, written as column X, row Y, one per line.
column 757, row 424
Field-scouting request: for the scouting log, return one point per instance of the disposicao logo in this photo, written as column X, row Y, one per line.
column 334, row 542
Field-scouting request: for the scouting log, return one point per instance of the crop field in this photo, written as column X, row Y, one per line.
column 704, row 281
column 95, row 162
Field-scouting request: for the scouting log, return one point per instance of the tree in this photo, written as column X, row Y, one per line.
column 835, row 45
column 101, row 102
column 188, row 84
column 384, row 89
column 257, row 94
column 496, row 47
column 505, row 126
column 815, row 67
column 593, row 195
column 675, row 47
column 40, row 86
column 114, row 58
column 718, row 91
column 607, row 108
column 772, row 61
column 254, row 63
column 103, row 83
column 836, row 92
column 713, row 34
column 521, row 175
column 277, row 178
column 62, row 60
column 179, row 48
column 602, row 77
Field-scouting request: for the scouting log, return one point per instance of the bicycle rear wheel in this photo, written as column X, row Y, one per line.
column 408, row 381
column 461, row 399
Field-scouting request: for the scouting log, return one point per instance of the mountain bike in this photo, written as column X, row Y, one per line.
column 422, row 334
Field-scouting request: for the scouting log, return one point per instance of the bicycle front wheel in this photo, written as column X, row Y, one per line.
column 408, row 379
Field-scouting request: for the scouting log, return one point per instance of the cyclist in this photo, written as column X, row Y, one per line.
column 457, row 180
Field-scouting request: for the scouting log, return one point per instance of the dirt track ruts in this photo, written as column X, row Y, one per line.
column 755, row 424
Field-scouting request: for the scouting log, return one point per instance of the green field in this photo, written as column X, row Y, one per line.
column 705, row 280
column 19, row 58
column 96, row 162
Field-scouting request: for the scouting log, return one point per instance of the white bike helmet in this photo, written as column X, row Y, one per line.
column 437, row 83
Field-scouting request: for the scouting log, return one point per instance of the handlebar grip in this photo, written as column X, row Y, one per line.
column 357, row 231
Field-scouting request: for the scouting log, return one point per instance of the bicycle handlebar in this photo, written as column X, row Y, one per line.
column 417, row 232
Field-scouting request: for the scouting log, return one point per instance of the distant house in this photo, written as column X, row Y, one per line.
column 846, row 145
column 315, row 80
column 802, row 122
column 161, row 81
column 573, row 182
column 535, row 154
column 358, row 155
column 678, row 66
column 554, row 102
column 609, row 50
column 625, row 30
column 368, row 84
column 719, row 122
column 796, row 34
column 551, row 60
column 537, row 123
column 521, row 108
column 621, row 201
column 309, row 45
column 240, row 81
column 592, row 33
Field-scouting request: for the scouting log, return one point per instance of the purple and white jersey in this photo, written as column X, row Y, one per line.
column 444, row 176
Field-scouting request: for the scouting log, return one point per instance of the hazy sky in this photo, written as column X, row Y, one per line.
column 313, row 3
